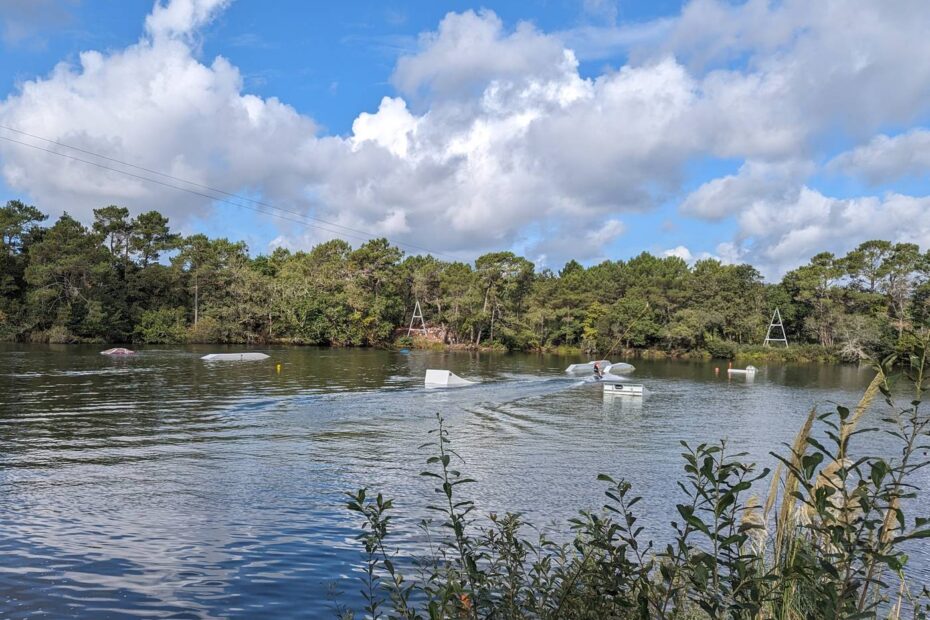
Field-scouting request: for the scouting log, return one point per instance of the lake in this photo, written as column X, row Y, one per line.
column 160, row 485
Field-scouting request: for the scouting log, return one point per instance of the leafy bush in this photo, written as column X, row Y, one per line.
column 207, row 331
column 825, row 543
column 56, row 334
column 796, row 353
column 723, row 349
column 162, row 326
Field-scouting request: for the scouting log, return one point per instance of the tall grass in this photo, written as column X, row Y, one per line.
column 827, row 541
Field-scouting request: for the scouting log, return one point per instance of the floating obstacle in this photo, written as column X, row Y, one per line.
column 118, row 351
column 605, row 378
column 445, row 378
column 628, row 389
column 576, row 369
column 605, row 366
column 234, row 357
column 620, row 368
column 749, row 370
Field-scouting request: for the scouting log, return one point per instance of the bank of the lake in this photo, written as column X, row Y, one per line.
column 132, row 280
column 722, row 351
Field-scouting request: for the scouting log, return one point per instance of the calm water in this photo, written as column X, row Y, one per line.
column 164, row 486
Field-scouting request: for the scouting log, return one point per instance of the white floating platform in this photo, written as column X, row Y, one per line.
column 445, row 378
column 575, row 369
column 628, row 389
column 605, row 378
column 234, row 357
column 749, row 370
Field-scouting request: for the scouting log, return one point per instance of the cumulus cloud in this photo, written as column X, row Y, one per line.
column 681, row 252
column 886, row 159
column 152, row 104
column 181, row 18
column 684, row 253
column 494, row 138
column 470, row 49
column 828, row 63
column 755, row 182
column 782, row 234
column 592, row 42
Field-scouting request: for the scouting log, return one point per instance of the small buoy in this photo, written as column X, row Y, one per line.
column 716, row 370
column 277, row 368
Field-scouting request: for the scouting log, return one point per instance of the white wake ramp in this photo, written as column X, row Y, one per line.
column 234, row 357
column 445, row 378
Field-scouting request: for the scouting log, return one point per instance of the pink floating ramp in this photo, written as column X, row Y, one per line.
column 118, row 351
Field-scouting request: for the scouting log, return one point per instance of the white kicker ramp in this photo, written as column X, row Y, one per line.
column 445, row 378
column 234, row 357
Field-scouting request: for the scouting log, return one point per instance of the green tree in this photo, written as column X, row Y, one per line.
column 814, row 286
column 151, row 236
column 18, row 230
column 113, row 227
column 67, row 272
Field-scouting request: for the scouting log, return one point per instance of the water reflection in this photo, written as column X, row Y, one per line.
column 159, row 485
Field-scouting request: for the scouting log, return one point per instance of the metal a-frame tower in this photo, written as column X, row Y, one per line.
column 777, row 325
column 417, row 314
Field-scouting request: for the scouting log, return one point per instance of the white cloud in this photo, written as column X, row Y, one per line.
column 156, row 106
column 780, row 235
column 755, row 181
column 685, row 254
column 681, row 252
column 391, row 127
column 886, row 158
column 180, row 18
column 470, row 49
column 591, row 42
column 850, row 64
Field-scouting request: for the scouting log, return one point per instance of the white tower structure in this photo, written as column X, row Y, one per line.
column 417, row 314
column 778, row 326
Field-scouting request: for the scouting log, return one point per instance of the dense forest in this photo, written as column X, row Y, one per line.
column 132, row 280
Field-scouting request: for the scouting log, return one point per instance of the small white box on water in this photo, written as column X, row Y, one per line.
column 630, row 389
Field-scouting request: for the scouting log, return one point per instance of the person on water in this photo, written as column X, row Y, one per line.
column 597, row 371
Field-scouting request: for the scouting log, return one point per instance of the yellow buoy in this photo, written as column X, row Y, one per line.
column 277, row 368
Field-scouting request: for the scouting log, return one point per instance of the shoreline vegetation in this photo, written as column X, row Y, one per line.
column 133, row 280
column 826, row 535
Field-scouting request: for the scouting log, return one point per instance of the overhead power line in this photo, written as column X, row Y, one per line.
column 226, row 197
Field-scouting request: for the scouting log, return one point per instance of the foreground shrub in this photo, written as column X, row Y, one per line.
column 828, row 541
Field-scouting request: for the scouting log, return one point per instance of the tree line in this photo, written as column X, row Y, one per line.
column 127, row 279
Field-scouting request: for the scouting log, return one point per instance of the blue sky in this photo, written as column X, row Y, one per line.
column 746, row 131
